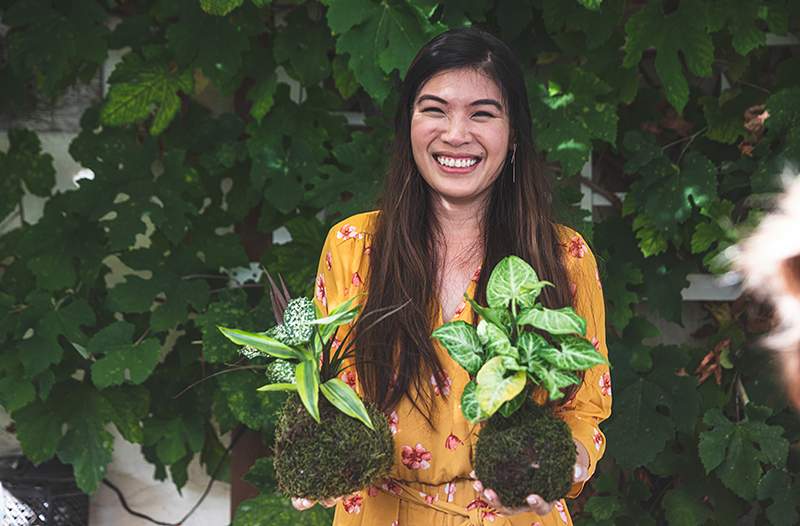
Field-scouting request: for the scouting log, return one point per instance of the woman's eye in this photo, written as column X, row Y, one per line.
column 483, row 114
column 432, row 110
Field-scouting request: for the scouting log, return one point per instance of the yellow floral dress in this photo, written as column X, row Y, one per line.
column 430, row 481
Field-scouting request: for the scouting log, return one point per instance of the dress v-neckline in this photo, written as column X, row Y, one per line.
column 458, row 315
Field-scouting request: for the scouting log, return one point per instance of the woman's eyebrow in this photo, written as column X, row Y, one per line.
column 479, row 102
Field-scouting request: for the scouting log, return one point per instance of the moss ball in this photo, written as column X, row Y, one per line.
column 529, row 452
column 336, row 457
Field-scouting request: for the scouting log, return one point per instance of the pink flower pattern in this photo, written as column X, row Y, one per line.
column 357, row 281
column 321, row 294
column 596, row 343
column 452, row 442
column 352, row 504
column 562, row 511
column 329, row 260
column 348, row 232
column 391, row 486
column 477, row 274
column 349, row 377
column 394, row 420
column 597, row 438
column 450, row 491
column 487, row 513
column 442, row 387
column 605, row 384
column 416, row 458
column 576, row 247
column 430, row 499
column 372, row 491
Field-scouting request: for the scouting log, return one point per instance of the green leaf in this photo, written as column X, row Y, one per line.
column 510, row 279
column 346, row 400
column 499, row 317
column 379, row 38
column 576, row 354
column 38, row 431
column 118, row 358
column 469, row 404
column 220, row 7
column 307, row 375
column 262, row 342
column 530, row 346
column 684, row 31
column 134, row 361
column 147, row 86
column 494, row 388
column 682, row 508
column 554, row 321
column 462, row 343
column 88, row 447
column 494, row 340
column 268, row 388
column 638, row 431
column 130, row 406
column 306, row 58
column 737, row 451
column 273, row 509
column 511, row 406
column 262, row 97
column 777, row 486
column 16, row 393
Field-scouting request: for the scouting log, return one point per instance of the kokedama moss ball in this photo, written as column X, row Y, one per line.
column 336, row 457
column 529, row 452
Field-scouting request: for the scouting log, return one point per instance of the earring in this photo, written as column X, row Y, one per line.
column 514, row 164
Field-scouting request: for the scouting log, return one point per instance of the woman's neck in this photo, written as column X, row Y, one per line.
column 460, row 227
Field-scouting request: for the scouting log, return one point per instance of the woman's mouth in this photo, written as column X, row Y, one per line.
column 459, row 165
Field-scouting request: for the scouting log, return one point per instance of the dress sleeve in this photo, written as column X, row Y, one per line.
column 339, row 272
column 592, row 403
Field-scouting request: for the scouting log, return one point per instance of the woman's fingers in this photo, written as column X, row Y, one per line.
column 302, row 503
column 538, row 505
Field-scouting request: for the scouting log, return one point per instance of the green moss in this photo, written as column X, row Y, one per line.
column 508, row 449
column 336, row 457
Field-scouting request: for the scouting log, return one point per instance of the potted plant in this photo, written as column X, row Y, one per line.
column 520, row 345
column 325, row 446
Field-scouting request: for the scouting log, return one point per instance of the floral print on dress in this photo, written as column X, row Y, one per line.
column 348, row 232
column 562, row 511
column 352, row 504
column 349, row 377
column 597, row 438
column 367, row 251
column 430, row 499
column 605, row 384
column 416, row 458
column 329, row 260
column 391, row 486
column 441, row 387
column 596, row 343
column 477, row 274
column 460, row 309
column 372, row 491
column 450, row 491
column 576, row 247
column 452, row 442
column 393, row 421
column 357, row 281
column 487, row 513
column 320, row 290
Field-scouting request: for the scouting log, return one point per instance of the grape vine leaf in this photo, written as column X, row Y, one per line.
column 379, row 38
column 681, row 31
column 777, row 486
column 120, row 359
column 145, row 86
column 220, row 7
column 269, row 509
column 736, row 451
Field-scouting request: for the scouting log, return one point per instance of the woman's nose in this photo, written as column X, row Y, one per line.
column 456, row 132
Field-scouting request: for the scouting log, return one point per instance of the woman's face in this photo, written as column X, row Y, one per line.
column 460, row 134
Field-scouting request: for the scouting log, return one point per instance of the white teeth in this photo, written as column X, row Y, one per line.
column 456, row 163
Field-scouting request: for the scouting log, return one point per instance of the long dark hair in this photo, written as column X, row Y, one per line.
column 394, row 359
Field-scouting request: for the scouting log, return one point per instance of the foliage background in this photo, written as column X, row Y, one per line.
column 667, row 97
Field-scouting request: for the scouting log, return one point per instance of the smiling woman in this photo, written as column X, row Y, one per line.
column 463, row 191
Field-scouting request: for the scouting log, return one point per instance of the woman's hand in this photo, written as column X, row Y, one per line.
column 536, row 504
column 302, row 503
